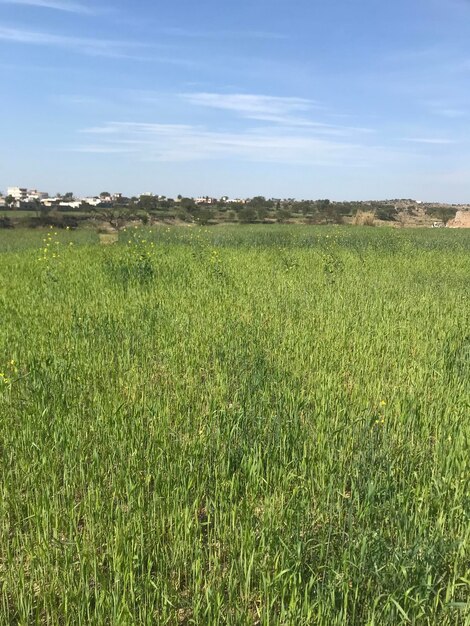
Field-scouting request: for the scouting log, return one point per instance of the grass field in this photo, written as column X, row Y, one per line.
column 239, row 425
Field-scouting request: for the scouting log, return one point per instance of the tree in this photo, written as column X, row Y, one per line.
column 68, row 196
column 45, row 215
column 323, row 204
column 283, row 215
column 116, row 218
column 148, row 203
column 188, row 204
column 105, row 194
column 262, row 213
column 443, row 213
column 258, row 201
column 386, row 213
column 247, row 215
column 10, row 201
column 205, row 216
column 304, row 206
column 37, row 206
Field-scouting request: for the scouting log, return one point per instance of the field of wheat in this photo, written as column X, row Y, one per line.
column 235, row 425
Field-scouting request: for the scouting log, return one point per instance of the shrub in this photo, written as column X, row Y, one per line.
column 247, row 215
column 6, row 222
column 386, row 214
column 364, row 218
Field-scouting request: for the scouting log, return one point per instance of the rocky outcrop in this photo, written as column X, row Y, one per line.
column 461, row 220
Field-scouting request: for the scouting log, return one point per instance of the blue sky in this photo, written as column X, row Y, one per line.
column 346, row 99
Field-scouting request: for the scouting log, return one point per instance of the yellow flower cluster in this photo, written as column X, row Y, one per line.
column 5, row 378
column 50, row 250
column 215, row 256
column 380, row 421
column 139, row 242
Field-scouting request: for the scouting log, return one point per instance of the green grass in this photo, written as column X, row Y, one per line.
column 260, row 425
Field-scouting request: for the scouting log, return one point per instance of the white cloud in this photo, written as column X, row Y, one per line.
column 83, row 44
column 58, row 5
column 181, row 142
column 87, row 45
column 287, row 111
column 99, row 149
column 452, row 113
column 429, row 140
column 450, row 110
column 250, row 104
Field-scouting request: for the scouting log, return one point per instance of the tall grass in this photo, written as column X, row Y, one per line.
column 235, row 426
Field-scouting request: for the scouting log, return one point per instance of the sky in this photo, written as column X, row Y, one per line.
column 339, row 99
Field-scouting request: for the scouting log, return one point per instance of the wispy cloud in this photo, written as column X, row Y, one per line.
column 415, row 54
column 451, row 113
column 251, row 105
column 194, row 32
column 286, row 111
column 182, row 142
column 438, row 141
column 448, row 109
column 100, row 149
column 222, row 34
column 92, row 46
column 58, row 5
column 88, row 45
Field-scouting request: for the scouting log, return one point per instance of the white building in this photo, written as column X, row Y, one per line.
column 22, row 194
column 73, row 204
column 92, row 201
column 34, row 194
column 50, row 201
column 205, row 200
column 18, row 193
column 236, row 201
